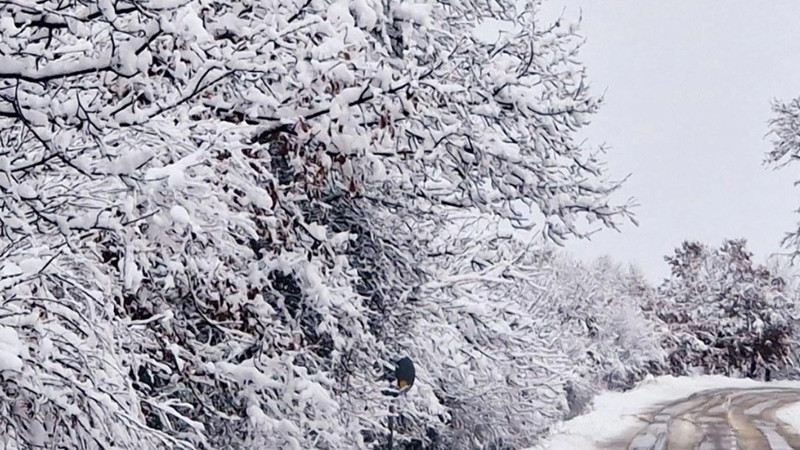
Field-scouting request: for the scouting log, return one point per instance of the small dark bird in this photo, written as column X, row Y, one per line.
column 405, row 373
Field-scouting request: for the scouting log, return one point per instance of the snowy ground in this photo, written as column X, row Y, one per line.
column 617, row 413
column 791, row 415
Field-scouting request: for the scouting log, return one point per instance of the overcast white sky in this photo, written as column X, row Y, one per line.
column 688, row 89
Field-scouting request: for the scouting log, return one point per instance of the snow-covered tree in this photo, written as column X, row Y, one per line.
column 726, row 313
column 785, row 132
column 217, row 217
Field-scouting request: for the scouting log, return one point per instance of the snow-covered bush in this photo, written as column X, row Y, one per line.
column 490, row 340
column 219, row 220
column 614, row 342
column 532, row 330
column 726, row 314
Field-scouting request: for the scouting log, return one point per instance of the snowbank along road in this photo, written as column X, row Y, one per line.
column 745, row 419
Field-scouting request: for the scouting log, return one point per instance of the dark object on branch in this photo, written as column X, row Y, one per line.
column 405, row 373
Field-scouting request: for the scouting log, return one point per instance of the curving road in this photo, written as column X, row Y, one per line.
column 729, row 419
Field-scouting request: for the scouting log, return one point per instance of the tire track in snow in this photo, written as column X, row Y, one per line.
column 735, row 419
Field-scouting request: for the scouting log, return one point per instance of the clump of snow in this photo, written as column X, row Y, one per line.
column 10, row 350
column 367, row 18
column 790, row 415
column 618, row 413
column 414, row 12
column 180, row 215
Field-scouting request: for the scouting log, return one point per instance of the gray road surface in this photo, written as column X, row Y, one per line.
column 729, row 419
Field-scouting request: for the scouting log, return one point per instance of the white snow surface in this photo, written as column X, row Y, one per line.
column 10, row 349
column 790, row 415
column 616, row 413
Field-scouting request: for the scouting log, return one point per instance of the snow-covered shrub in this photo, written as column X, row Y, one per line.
column 726, row 314
column 525, row 332
column 500, row 373
column 614, row 343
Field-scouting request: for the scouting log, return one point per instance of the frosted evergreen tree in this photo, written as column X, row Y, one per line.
column 726, row 313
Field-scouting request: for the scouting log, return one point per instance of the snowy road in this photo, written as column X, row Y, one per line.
column 677, row 413
column 743, row 419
